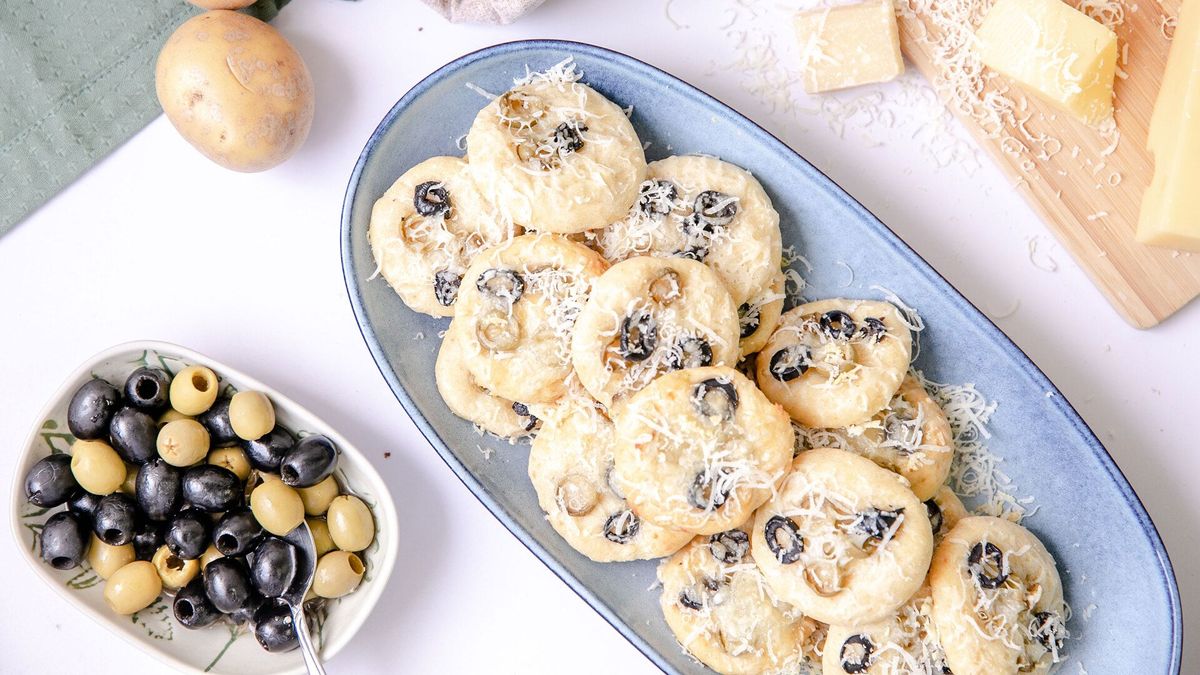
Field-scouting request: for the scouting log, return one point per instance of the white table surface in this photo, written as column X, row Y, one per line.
column 156, row 242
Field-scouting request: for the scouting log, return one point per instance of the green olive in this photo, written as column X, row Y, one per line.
column 277, row 507
column 350, row 523
column 170, row 416
column 129, row 485
column 97, row 467
column 194, row 390
column 175, row 572
column 107, row 559
column 233, row 459
column 251, row 415
column 210, row 554
column 183, row 442
column 318, row 497
column 338, row 573
column 320, row 534
column 133, row 587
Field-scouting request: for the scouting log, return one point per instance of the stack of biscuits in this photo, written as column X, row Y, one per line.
column 790, row 467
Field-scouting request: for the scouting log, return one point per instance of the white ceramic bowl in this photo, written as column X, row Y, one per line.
column 222, row 647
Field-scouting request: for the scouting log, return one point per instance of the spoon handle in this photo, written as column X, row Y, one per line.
column 311, row 661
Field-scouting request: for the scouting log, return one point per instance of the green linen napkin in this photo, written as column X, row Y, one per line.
column 76, row 81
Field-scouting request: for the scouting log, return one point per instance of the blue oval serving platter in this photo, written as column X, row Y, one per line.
column 1117, row 574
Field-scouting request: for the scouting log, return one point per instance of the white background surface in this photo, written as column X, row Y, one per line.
column 155, row 242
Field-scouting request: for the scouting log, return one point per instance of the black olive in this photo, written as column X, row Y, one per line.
column 504, row 285
column 837, row 324
column 715, row 207
column 639, row 336
column 50, row 481
column 273, row 566
column 267, row 452
column 749, row 317
column 1047, row 629
column 237, row 533
column 716, row 399
column 116, row 519
column 691, row 352
column 788, row 551
column 149, row 537
column 192, row 607
column 246, row 614
column 693, row 251
column 936, row 518
column 216, row 421
column 134, row 435
column 567, row 136
column 212, row 488
column 227, row 584
column 875, row 523
column 686, row 599
column 872, row 328
column 696, row 229
column 312, row 460
column 656, row 198
column 709, row 493
column 148, row 389
column 445, row 287
column 64, row 540
column 980, row 558
column 189, row 534
column 84, row 504
column 431, row 198
column 273, row 627
column 523, row 410
column 730, row 546
column 688, row 596
column 789, row 363
column 622, row 526
column 856, row 654
column 91, row 408
column 159, row 489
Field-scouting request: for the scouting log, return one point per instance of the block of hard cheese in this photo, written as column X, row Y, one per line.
column 1055, row 51
column 1170, row 213
column 849, row 45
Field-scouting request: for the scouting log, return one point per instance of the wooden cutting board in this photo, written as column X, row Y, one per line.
column 1146, row 284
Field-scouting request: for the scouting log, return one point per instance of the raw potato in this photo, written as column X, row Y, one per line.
column 236, row 90
column 222, row 4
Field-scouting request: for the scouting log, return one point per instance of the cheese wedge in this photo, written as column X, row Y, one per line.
column 1055, row 51
column 849, row 45
column 1170, row 213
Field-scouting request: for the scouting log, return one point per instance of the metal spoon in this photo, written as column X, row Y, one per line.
column 306, row 566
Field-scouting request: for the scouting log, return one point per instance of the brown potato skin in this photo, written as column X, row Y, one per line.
column 222, row 4
column 236, row 90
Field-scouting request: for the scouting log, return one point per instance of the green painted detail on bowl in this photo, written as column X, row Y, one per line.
column 158, row 620
column 235, row 632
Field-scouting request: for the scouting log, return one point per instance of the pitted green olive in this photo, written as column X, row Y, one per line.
column 318, row 497
column 183, row 442
column 350, row 523
column 194, row 390
column 277, row 507
column 338, row 573
column 106, row 559
column 133, row 587
column 251, row 414
column 97, row 467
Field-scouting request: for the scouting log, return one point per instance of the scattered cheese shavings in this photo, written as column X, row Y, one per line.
column 480, row 90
